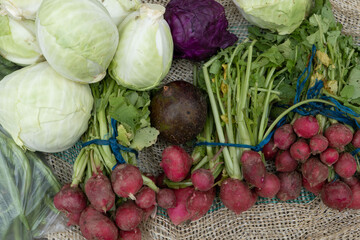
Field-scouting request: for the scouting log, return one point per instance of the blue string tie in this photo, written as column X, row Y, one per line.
column 114, row 145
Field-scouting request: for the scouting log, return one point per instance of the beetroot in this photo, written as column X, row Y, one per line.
column 351, row 181
column 131, row 235
column 318, row 144
column 70, row 200
column 337, row 195
column 329, row 156
column 126, row 180
column 346, row 165
column 166, row 198
column 199, row 203
column 99, row 192
column 355, row 204
column 95, row 225
column 176, row 163
column 284, row 162
column 313, row 189
column 271, row 187
column 253, row 168
column 202, row 179
column 128, row 216
column 300, row 150
column 145, row 198
column 339, row 136
column 356, row 139
column 270, row 150
column 74, row 218
column 290, row 186
column 236, row 195
column 306, row 126
column 284, row 136
column 179, row 213
column 314, row 171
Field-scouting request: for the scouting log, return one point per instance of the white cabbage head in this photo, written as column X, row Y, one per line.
column 20, row 9
column 119, row 9
column 18, row 42
column 77, row 38
column 145, row 51
column 42, row 110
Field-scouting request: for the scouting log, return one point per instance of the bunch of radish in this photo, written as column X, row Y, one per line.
column 317, row 159
column 96, row 211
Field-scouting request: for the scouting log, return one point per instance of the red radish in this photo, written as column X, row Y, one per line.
column 318, row 144
column 270, row 150
column 70, row 200
column 356, row 139
column 351, row 181
column 313, row 189
column 300, row 150
column 306, row 126
column 339, row 136
column 355, row 204
column 271, row 187
column 176, row 163
column 128, row 216
column 95, row 225
column 337, row 195
column 131, row 235
column 202, row 179
column 152, row 177
column 166, row 198
column 253, row 168
column 346, row 165
column 329, row 156
column 126, row 180
column 149, row 212
column 284, row 136
column 284, row 162
column 290, row 186
column 99, row 192
column 236, row 195
column 74, row 218
column 145, row 198
column 199, row 203
column 179, row 213
column 314, row 171
column 160, row 181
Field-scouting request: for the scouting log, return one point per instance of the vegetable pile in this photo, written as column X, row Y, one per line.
column 264, row 117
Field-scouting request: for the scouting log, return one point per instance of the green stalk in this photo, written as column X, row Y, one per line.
column 79, row 166
column 148, row 182
column 264, row 117
column 203, row 161
column 177, row 185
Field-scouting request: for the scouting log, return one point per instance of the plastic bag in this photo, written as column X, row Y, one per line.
column 27, row 188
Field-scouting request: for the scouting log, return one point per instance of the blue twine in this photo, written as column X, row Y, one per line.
column 114, row 145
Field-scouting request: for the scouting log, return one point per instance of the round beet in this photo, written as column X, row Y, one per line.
column 270, row 150
column 199, row 203
column 306, row 126
column 95, row 225
column 126, row 180
column 166, row 198
column 346, row 165
column 99, row 192
column 284, row 162
column 314, row 171
column 329, row 156
column 271, row 187
column 339, row 136
column 202, row 179
column 236, row 195
column 300, row 150
column 337, row 195
column 145, row 198
column 284, row 136
column 356, row 139
column 70, row 199
column 128, row 216
column 131, row 235
column 253, row 168
column 313, row 189
column 318, row 144
column 290, row 186
column 176, row 163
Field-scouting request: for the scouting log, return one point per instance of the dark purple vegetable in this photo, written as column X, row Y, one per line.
column 198, row 28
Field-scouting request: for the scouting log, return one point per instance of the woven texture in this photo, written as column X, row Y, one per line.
column 304, row 218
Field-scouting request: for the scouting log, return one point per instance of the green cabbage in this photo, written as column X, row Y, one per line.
column 144, row 54
column 77, row 38
column 20, row 9
column 119, row 9
column 18, row 42
column 283, row 16
column 42, row 110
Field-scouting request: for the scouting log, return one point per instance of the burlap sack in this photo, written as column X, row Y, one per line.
column 304, row 218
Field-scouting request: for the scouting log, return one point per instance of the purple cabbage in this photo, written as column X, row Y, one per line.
column 198, row 28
